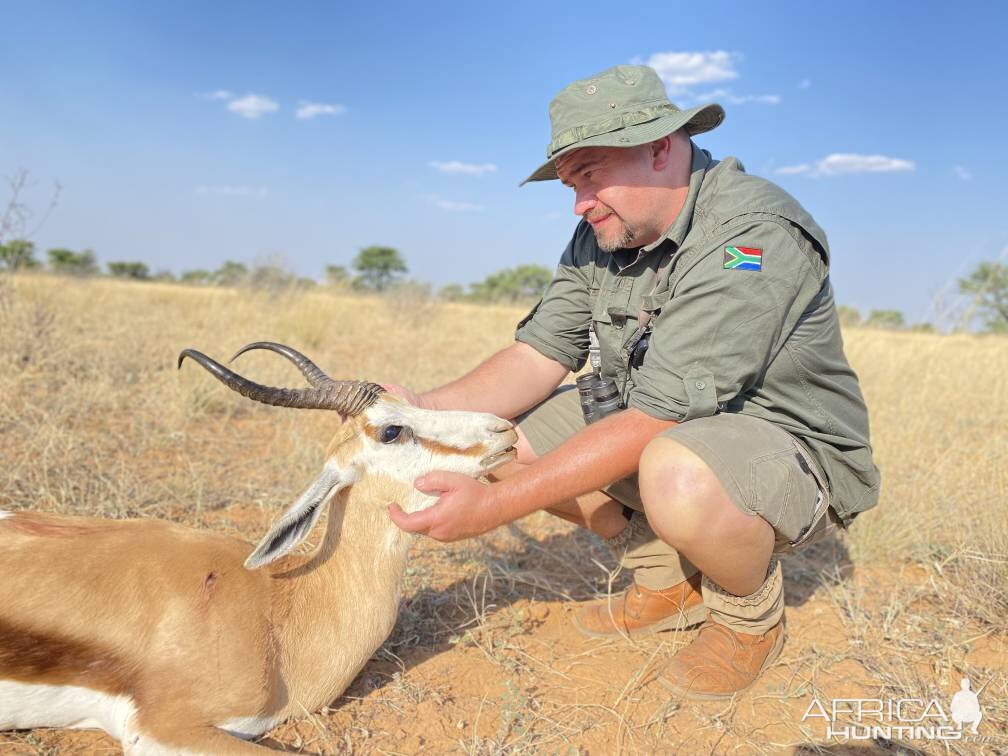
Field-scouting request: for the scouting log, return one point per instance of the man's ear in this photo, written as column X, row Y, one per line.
column 661, row 152
column 297, row 522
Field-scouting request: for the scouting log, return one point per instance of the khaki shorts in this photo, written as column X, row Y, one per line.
column 764, row 470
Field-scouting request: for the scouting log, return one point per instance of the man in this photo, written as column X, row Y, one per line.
column 744, row 433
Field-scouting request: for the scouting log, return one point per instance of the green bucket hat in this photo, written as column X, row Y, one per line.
column 623, row 106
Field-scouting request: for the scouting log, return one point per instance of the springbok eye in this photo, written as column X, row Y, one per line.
column 390, row 433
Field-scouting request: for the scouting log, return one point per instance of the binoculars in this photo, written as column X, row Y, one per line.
column 599, row 397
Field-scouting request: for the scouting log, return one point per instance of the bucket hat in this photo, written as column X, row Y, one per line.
column 623, row 106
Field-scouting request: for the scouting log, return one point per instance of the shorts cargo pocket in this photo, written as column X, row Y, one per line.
column 821, row 522
column 822, row 518
column 772, row 484
column 786, row 492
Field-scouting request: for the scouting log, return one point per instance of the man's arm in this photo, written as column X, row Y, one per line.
column 551, row 341
column 603, row 452
column 506, row 384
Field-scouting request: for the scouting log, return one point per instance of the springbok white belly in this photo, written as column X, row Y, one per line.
column 248, row 728
column 24, row 706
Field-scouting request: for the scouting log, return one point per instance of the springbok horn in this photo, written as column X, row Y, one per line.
column 345, row 397
column 312, row 372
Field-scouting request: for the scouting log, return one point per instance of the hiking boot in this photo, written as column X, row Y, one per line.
column 720, row 662
column 639, row 611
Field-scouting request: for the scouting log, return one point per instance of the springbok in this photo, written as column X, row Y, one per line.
column 176, row 640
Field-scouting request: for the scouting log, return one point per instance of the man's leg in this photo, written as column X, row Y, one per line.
column 690, row 510
column 727, row 491
column 666, row 589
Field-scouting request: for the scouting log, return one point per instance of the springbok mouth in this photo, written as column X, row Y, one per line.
column 499, row 458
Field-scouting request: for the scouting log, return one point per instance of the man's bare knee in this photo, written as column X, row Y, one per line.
column 526, row 454
column 682, row 496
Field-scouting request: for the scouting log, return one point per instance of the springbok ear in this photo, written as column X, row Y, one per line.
column 296, row 523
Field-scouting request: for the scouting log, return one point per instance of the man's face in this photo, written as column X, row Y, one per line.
column 614, row 192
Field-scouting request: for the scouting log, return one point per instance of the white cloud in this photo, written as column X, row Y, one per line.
column 308, row 110
column 455, row 206
column 804, row 84
column 220, row 94
column 232, row 191
column 843, row 163
column 471, row 169
column 253, row 106
column 794, row 169
column 682, row 70
column 962, row 173
column 726, row 95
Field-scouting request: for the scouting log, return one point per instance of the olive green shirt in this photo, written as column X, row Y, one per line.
column 763, row 341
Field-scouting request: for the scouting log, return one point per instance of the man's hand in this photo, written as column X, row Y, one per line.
column 408, row 394
column 464, row 509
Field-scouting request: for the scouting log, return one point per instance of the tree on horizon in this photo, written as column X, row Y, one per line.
column 377, row 267
column 988, row 287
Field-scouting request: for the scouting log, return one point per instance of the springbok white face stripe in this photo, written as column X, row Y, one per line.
column 458, row 442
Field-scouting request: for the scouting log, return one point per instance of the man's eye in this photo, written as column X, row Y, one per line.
column 390, row 433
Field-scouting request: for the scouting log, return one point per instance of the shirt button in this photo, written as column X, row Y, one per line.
column 700, row 385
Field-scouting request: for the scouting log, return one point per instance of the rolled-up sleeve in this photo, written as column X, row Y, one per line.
column 557, row 326
column 715, row 337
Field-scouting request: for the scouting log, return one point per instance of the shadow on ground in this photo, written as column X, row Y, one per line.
column 518, row 567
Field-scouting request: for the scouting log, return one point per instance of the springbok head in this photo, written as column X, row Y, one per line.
column 381, row 434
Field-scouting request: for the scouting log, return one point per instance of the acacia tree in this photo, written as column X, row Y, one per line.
column 18, row 254
column 513, row 284
column 135, row 270
column 72, row 263
column 198, row 276
column 988, row 287
column 377, row 267
column 336, row 275
column 231, row 273
column 887, row 319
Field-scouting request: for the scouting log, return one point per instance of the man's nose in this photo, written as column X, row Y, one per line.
column 584, row 202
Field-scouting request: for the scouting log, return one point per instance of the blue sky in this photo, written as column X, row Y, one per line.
column 184, row 134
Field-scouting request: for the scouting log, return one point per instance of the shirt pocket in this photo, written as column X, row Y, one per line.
column 611, row 319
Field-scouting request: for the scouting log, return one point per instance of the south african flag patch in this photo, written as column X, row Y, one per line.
column 743, row 258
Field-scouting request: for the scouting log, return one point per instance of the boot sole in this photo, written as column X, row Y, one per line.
column 682, row 621
column 694, row 695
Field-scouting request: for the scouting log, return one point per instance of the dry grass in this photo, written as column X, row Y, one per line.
column 95, row 419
